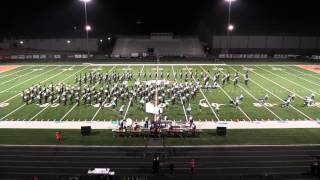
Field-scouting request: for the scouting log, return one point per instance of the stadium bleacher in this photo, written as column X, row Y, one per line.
column 163, row 46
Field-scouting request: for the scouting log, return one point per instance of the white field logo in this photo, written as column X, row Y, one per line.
column 67, row 69
column 96, row 69
column 55, row 105
column 218, row 69
column 316, row 104
column 260, row 105
column 248, row 69
column 277, row 69
column 205, row 104
column 39, row 69
column 155, row 69
column 2, row 105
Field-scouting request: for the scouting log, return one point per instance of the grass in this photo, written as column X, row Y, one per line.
column 104, row 137
column 265, row 79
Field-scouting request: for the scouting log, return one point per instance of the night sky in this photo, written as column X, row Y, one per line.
column 65, row 18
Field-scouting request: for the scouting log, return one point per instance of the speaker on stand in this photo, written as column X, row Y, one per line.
column 86, row 130
column 221, row 131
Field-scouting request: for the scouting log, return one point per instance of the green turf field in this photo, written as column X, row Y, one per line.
column 276, row 81
column 105, row 138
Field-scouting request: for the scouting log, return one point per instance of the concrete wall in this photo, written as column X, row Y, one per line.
column 56, row 44
column 4, row 45
column 266, row 42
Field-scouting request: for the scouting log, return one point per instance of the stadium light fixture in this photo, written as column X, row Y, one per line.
column 21, row 42
column 101, row 40
column 109, row 38
column 230, row 6
column 88, row 28
column 68, row 42
column 230, row 27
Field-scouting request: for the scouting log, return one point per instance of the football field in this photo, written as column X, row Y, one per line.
column 276, row 81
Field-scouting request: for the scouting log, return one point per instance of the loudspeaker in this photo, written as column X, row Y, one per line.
column 86, row 130
column 221, row 131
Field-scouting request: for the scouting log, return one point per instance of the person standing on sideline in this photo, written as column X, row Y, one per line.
column 192, row 166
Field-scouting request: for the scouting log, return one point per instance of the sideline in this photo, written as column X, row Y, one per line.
column 196, row 146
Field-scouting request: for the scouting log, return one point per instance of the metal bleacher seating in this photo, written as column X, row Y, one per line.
column 166, row 46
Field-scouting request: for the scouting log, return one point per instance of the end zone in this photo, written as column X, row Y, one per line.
column 7, row 68
column 312, row 68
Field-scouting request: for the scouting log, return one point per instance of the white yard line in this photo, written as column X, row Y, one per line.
column 289, row 81
column 156, row 98
column 26, row 74
column 209, row 104
column 126, row 113
column 23, row 83
column 28, row 80
column 184, row 109
column 56, row 99
column 12, row 112
column 302, row 73
column 245, row 114
column 278, row 85
column 74, row 106
column 171, row 64
column 19, row 94
column 273, row 124
column 96, row 114
column 24, row 69
column 255, row 97
column 278, row 96
column 302, row 78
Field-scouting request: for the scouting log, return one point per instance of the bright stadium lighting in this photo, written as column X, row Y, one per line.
column 230, row 27
column 21, row 42
column 88, row 28
column 68, row 42
column 101, row 40
column 109, row 38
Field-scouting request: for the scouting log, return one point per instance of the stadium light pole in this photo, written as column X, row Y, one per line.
column 230, row 27
column 87, row 27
